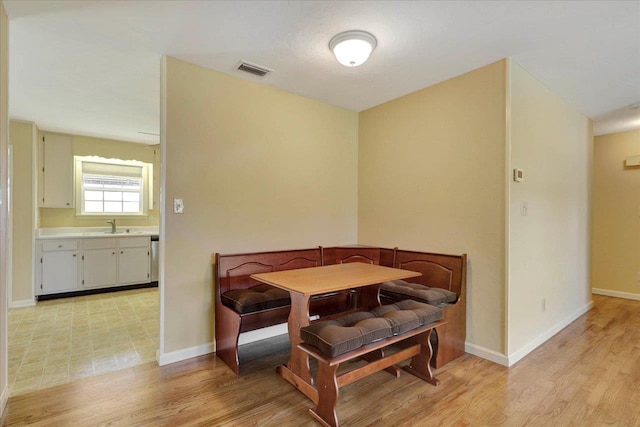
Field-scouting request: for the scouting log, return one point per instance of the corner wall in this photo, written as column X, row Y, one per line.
column 616, row 211
column 258, row 169
column 23, row 136
column 4, row 147
column 431, row 178
column 549, row 248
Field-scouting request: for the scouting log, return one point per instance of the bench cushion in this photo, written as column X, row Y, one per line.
column 406, row 315
column 339, row 336
column 400, row 290
column 335, row 337
column 261, row 297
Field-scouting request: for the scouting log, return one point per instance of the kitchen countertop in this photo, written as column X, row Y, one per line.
column 85, row 232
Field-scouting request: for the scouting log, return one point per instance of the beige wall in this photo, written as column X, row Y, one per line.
column 23, row 138
column 431, row 177
column 549, row 248
column 258, row 169
column 616, row 215
column 88, row 146
column 4, row 142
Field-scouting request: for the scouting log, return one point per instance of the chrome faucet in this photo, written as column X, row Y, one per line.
column 113, row 226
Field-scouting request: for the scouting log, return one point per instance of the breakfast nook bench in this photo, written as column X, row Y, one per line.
column 368, row 335
column 243, row 304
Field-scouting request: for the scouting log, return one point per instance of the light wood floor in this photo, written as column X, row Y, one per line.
column 587, row 375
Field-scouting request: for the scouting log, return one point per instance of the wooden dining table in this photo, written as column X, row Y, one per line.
column 305, row 283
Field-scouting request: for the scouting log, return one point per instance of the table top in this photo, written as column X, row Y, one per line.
column 330, row 278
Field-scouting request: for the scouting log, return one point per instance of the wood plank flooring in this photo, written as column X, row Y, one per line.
column 587, row 375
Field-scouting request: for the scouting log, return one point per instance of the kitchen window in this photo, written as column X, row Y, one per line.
column 112, row 188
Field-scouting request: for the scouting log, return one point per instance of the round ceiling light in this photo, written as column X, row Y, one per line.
column 352, row 48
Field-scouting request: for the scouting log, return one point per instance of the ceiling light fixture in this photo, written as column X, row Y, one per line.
column 352, row 48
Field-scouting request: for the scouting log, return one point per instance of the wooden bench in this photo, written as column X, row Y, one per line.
column 438, row 271
column 415, row 343
column 237, row 311
column 232, row 272
column 446, row 272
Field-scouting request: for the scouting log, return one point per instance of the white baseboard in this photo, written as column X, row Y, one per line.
column 4, row 397
column 511, row 360
column 485, row 353
column 261, row 334
column 617, row 294
column 200, row 350
column 532, row 345
column 23, row 303
column 187, row 353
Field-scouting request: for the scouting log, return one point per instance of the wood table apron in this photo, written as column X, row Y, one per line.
column 303, row 284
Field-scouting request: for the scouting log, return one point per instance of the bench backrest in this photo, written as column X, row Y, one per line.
column 438, row 270
column 346, row 254
column 234, row 271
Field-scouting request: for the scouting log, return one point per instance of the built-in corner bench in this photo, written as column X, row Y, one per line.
column 243, row 304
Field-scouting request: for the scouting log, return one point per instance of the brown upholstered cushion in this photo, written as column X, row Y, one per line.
column 406, row 315
column 261, row 297
column 335, row 337
column 400, row 290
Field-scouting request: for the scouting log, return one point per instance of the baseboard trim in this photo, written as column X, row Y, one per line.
column 262, row 334
column 616, row 294
column 485, row 353
column 97, row 291
column 23, row 303
column 184, row 354
column 532, row 345
column 201, row 350
column 4, row 397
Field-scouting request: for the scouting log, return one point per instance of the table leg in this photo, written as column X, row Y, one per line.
column 370, row 297
column 297, row 370
column 298, row 318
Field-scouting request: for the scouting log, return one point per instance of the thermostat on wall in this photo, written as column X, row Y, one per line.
column 518, row 175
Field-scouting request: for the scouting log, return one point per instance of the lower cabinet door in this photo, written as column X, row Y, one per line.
column 99, row 267
column 133, row 265
column 59, row 272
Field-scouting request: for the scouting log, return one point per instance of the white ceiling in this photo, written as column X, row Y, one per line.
column 93, row 67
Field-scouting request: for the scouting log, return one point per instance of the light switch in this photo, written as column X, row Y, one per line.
column 178, row 206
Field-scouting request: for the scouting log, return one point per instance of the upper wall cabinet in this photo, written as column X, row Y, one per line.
column 56, row 172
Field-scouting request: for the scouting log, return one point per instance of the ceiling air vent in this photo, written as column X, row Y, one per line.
column 256, row 70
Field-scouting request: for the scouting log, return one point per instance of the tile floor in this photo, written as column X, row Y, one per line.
column 62, row 340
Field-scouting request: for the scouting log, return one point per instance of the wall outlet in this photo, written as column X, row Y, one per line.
column 543, row 304
column 524, row 209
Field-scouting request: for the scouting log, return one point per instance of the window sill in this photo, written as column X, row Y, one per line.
column 111, row 216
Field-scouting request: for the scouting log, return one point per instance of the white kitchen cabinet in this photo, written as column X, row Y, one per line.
column 76, row 264
column 115, row 261
column 56, row 172
column 59, row 267
column 99, row 262
column 133, row 265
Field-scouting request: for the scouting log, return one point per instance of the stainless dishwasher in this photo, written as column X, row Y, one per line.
column 155, row 258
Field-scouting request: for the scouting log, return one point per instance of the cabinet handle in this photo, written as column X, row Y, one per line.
column 74, row 255
column 68, row 203
column 113, row 253
column 59, row 246
column 121, row 252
